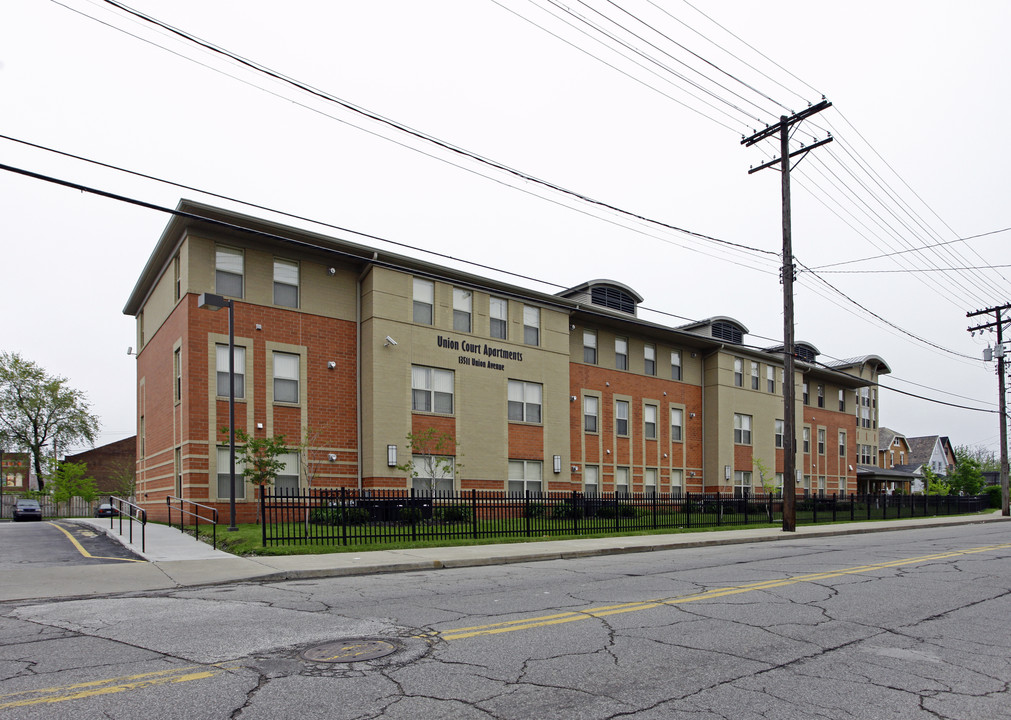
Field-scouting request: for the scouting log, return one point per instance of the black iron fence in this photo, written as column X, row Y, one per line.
column 346, row 516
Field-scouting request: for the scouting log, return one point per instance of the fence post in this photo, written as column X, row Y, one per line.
column 687, row 508
column 654, row 506
column 835, row 496
column 853, row 510
column 575, row 514
column 344, row 516
column 415, row 512
column 263, row 519
column 814, row 508
column 473, row 511
column 746, row 506
column 526, row 509
column 617, row 523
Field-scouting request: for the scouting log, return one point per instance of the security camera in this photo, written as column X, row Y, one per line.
column 390, row 341
column 332, row 271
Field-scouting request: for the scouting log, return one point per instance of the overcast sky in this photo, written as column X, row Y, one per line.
column 920, row 157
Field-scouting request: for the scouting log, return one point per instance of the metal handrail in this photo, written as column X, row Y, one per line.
column 134, row 512
column 213, row 520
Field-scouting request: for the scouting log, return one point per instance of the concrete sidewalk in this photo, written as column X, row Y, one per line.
column 176, row 560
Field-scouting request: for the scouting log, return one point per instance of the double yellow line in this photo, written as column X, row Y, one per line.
column 109, row 686
column 605, row 610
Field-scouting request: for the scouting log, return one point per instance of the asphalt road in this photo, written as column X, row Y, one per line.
column 904, row 624
column 57, row 543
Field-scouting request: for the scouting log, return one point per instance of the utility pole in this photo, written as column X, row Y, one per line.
column 1001, row 401
column 787, row 273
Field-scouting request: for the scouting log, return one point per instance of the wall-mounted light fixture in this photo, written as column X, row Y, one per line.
column 391, row 455
column 259, row 326
column 726, row 472
column 665, row 454
column 556, row 463
column 575, row 468
column 332, row 271
column 331, row 364
column 607, row 452
column 572, row 398
column 691, row 415
column 332, row 457
column 259, row 426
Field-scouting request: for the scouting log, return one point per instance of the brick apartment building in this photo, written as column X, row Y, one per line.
column 347, row 350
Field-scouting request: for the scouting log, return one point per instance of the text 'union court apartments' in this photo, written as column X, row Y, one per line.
column 346, row 350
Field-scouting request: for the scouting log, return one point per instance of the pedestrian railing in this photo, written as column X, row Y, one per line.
column 190, row 509
column 125, row 508
column 347, row 516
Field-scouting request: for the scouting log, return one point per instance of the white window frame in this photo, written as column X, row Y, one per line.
column 429, row 388
column 677, row 425
column 649, row 480
column 779, row 431
column 621, row 413
column 807, row 440
column 531, row 325
column 743, row 483
column 738, row 372
column 288, row 478
column 286, row 281
column 498, row 318
column 463, row 310
column 591, row 412
column 742, row 429
column 677, row 480
column 590, row 347
column 621, row 353
column 525, row 401
column 755, row 375
column 425, row 482
column 675, row 365
column 649, row 420
column 649, row 359
column 284, row 380
column 229, row 268
column 622, row 477
column 770, row 378
column 224, row 475
column 822, row 441
column 591, row 479
column 423, row 295
column 525, row 475
column 221, row 370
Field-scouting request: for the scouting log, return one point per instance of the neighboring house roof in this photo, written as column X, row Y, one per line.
column 876, row 360
column 892, row 474
column 921, row 448
column 886, row 436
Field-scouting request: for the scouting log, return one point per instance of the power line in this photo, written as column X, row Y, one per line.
column 910, row 250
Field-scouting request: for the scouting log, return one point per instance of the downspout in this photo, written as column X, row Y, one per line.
column 358, row 363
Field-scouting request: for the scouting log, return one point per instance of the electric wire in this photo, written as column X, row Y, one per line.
column 911, row 250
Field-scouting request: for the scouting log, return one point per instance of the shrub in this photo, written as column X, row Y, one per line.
column 410, row 516
column 993, row 493
column 536, row 510
column 623, row 510
column 334, row 515
column 567, row 510
column 453, row 513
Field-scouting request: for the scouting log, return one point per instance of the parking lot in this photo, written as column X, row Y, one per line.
column 56, row 542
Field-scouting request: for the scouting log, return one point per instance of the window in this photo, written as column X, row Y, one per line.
column 649, row 481
column 424, row 301
column 677, row 416
column 842, row 401
column 770, row 379
column 742, row 429
column 177, row 373
column 807, row 395
column 436, row 474
column 649, row 422
column 821, row 441
column 754, row 376
column 738, row 372
column 675, row 365
column 531, row 325
column 240, row 370
column 224, row 476
column 621, row 417
column 590, row 347
column 177, row 465
column 524, row 475
column 498, row 317
column 621, row 480
column 779, row 433
column 228, row 271
column 821, row 396
column 822, row 485
column 285, row 283
column 590, row 413
column 621, row 353
column 177, row 279
column 462, row 303
column 286, row 482
column 524, row 401
column 286, row 375
column 431, row 390
column 779, row 482
column 591, row 479
column 742, row 483
column 807, row 439
column 649, row 359
column 676, row 481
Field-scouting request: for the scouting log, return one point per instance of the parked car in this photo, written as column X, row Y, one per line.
column 25, row 509
column 106, row 510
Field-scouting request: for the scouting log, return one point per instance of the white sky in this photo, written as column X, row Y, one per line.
column 922, row 82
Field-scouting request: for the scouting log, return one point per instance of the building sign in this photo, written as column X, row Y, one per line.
column 479, row 355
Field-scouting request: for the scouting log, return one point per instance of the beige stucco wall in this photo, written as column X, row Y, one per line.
column 480, row 393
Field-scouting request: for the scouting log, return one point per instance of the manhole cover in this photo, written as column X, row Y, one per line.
column 346, row 651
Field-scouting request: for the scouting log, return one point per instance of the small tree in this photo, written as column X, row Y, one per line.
column 935, row 484
column 766, row 476
column 71, row 480
column 124, row 478
column 967, row 478
column 259, row 458
column 433, row 459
